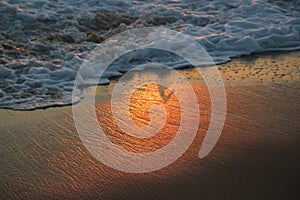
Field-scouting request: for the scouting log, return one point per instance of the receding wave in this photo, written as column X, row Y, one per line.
column 43, row 43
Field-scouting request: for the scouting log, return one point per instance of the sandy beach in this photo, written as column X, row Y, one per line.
column 256, row 157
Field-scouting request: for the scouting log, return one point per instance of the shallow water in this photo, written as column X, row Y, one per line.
column 44, row 42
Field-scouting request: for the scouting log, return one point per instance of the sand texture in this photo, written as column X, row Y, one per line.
column 256, row 157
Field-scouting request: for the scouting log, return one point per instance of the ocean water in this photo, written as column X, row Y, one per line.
column 44, row 42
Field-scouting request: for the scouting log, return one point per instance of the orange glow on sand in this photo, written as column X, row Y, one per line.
column 140, row 104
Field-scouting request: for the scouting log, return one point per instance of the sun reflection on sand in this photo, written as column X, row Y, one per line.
column 139, row 107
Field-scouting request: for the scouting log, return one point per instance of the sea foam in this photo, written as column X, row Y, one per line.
column 43, row 42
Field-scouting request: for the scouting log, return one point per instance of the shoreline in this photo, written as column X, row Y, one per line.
column 246, row 59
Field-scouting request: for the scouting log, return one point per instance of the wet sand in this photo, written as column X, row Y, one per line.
column 256, row 157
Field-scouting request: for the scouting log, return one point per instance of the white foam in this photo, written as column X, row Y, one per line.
column 43, row 43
